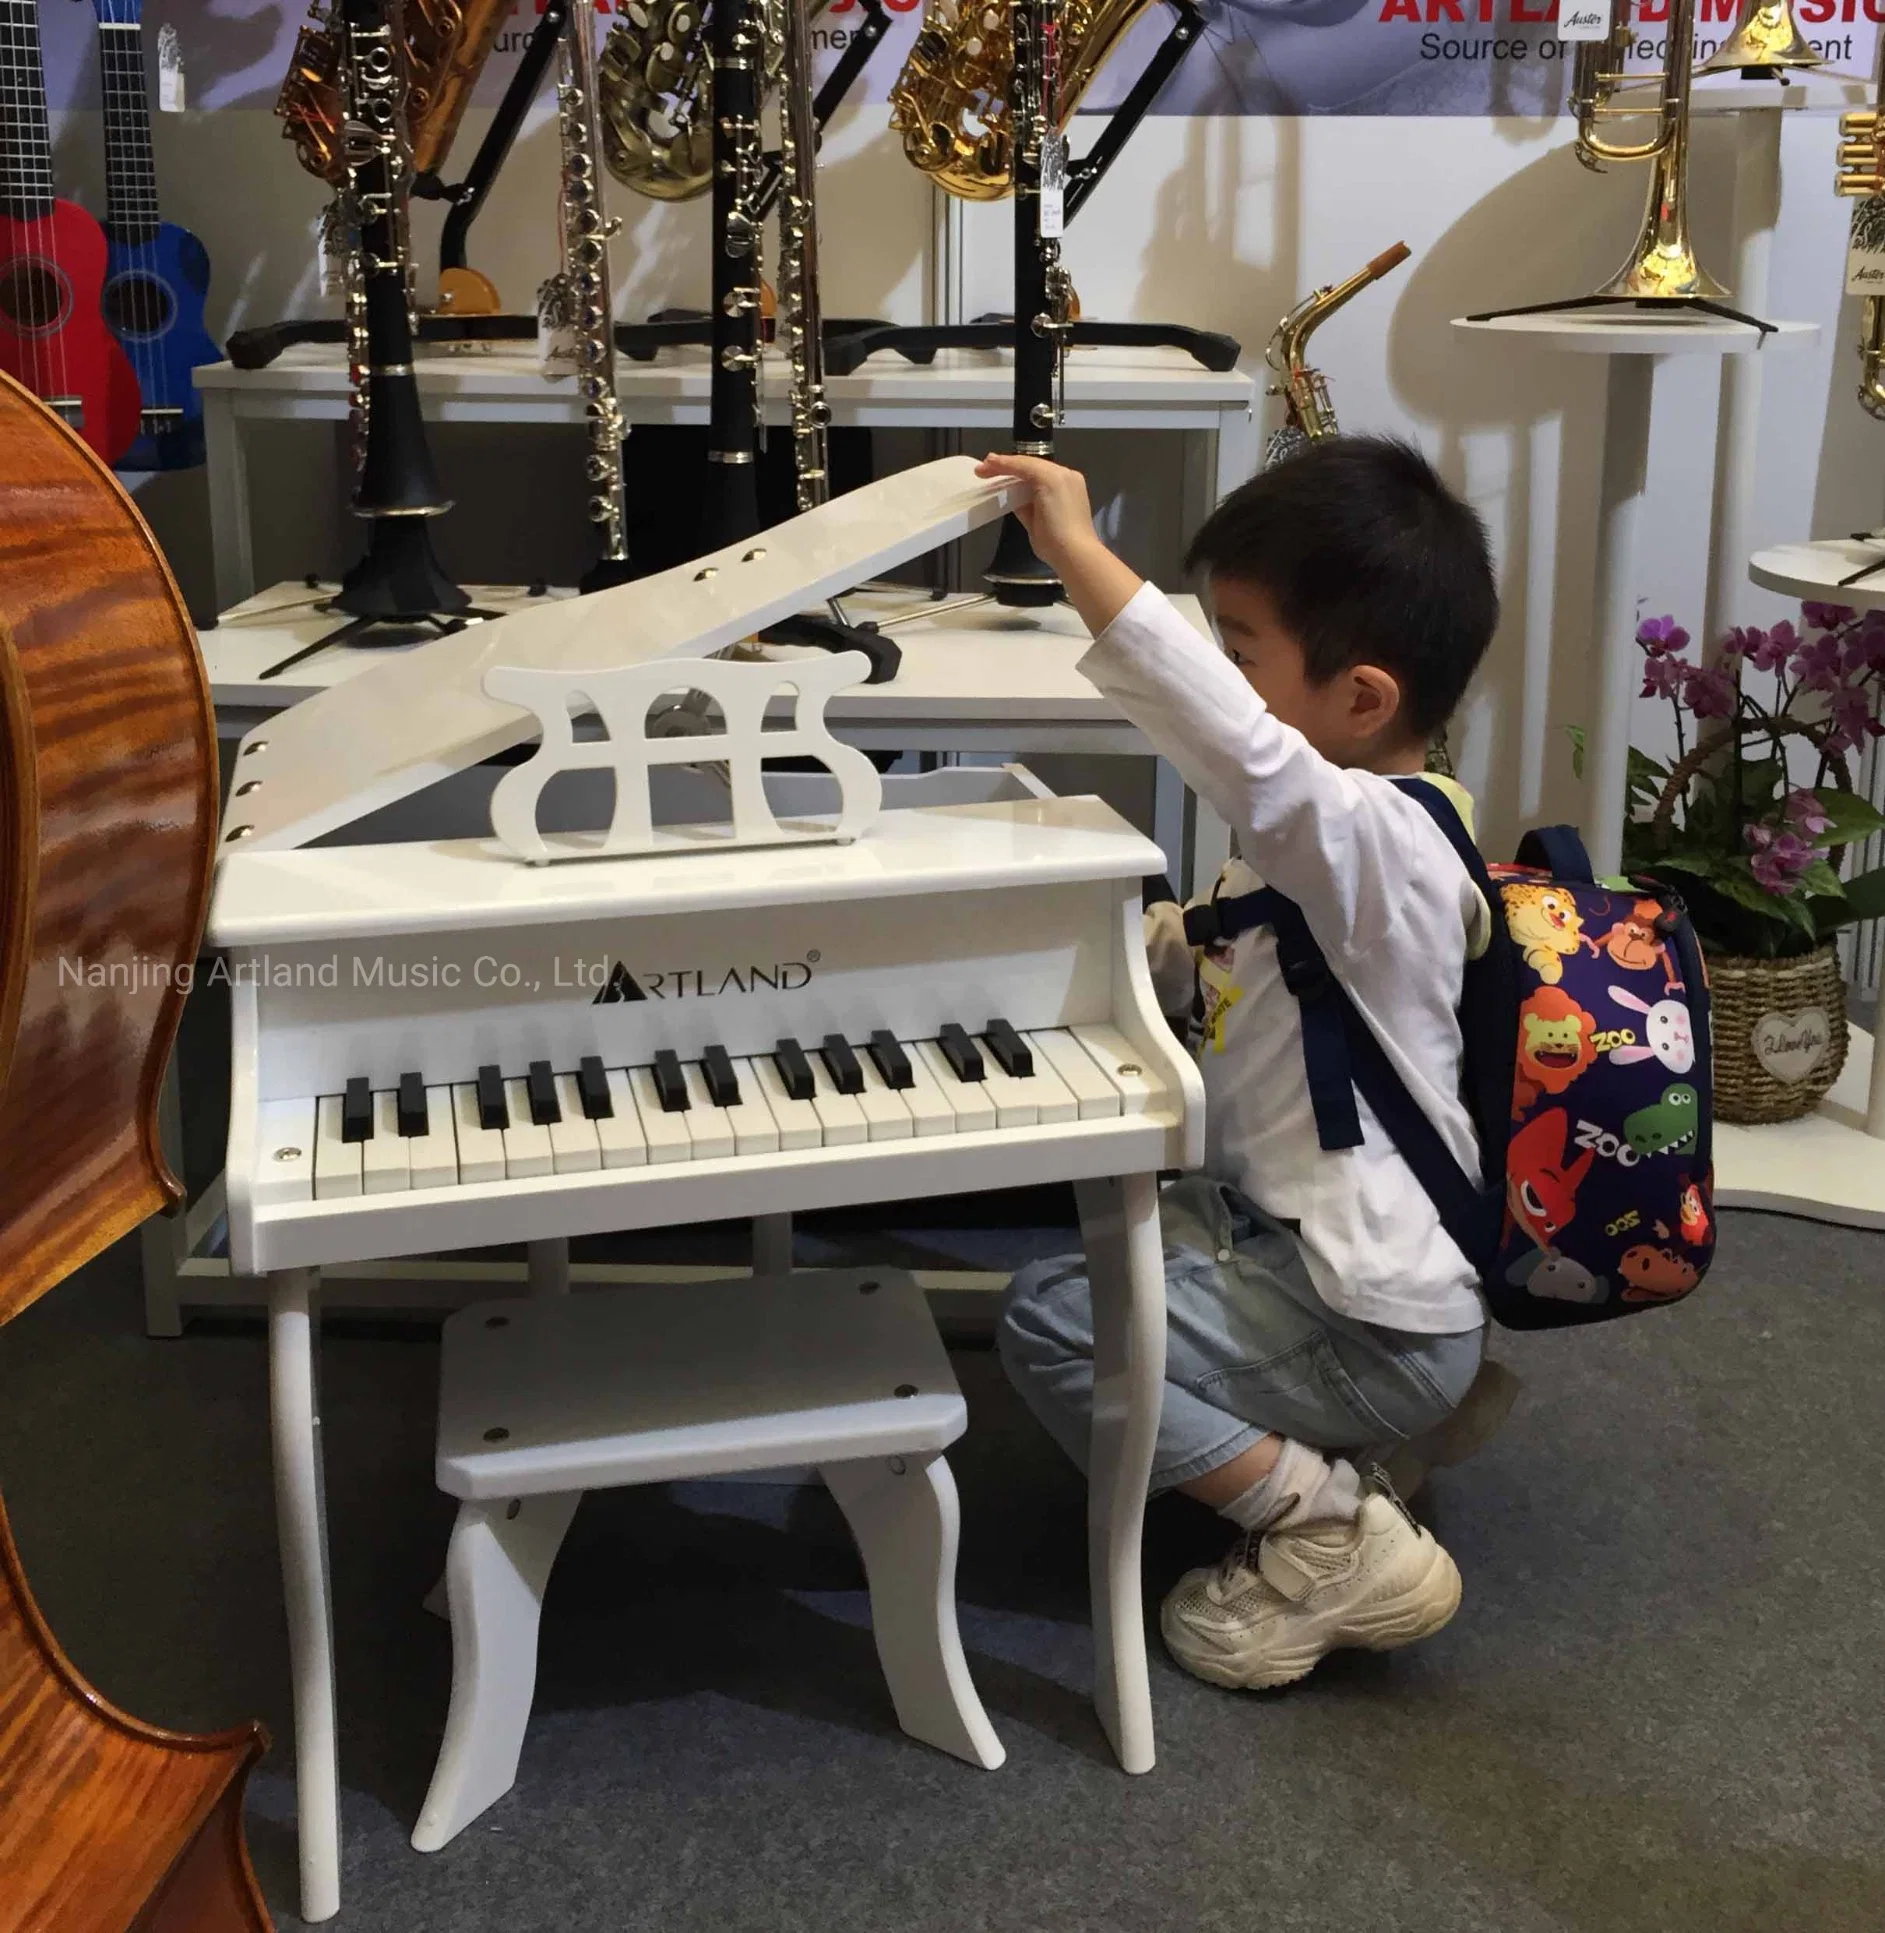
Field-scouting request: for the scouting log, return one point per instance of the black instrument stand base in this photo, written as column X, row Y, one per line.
column 919, row 344
column 1572, row 304
column 829, row 634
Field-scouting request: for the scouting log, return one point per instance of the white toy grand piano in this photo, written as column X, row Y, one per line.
column 520, row 1038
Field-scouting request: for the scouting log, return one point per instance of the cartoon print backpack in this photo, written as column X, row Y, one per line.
column 1586, row 1072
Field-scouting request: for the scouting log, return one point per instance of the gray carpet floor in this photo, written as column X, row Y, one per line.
column 1659, row 1709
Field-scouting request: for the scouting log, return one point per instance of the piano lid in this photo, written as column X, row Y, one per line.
column 422, row 715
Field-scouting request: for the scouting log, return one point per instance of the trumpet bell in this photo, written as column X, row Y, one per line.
column 1766, row 36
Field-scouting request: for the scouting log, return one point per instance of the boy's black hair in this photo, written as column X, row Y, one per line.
column 1369, row 559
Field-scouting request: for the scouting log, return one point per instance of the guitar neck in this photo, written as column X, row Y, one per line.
column 26, row 190
column 130, row 172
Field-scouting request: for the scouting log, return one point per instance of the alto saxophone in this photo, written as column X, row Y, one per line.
column 580, row 296
column 952, row 102
column 1309, row 416
column 1861, row 176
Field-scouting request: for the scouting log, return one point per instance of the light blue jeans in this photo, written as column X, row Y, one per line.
column 1250, row 1347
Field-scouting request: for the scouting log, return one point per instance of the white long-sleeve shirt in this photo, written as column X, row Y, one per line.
column 1396, row 915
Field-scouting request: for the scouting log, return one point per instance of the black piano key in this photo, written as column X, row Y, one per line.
column 892, row 1062
column 493, row 1110
column 670, row 1082
column 540, row 1083
column 1016, row 1057
column 960, row 1051
column 841, row 1064
column 356, row 1110
column 723, row 1085
column 413, row 1116
column 592, row 1086
column 795, row 1071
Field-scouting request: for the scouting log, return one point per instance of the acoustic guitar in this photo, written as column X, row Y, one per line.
column 156, row 274
column 52, row 263
column 107, row 825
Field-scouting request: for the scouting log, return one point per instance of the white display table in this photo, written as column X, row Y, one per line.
column 1637, row 344
column 1831, row 1166
column 965, row 389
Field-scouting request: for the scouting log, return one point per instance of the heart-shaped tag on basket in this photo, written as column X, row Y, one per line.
column 1792, row 1046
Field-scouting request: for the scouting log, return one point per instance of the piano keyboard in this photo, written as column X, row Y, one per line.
column 520, row 1126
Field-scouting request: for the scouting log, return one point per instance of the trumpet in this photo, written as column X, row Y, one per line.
column 1309, row 416
column 1662, row 265
column 1766, row 37
column 1860, row 175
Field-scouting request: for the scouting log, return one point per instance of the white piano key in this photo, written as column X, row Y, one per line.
column 385, row 1164
column 619, row 1134
column 708, row 1127
column 1116, row 1057
column 1095, row 1095
column 840, row 1119
column 284, row 1153
column 526, row 1145
column 434, row 1154
column 574, row 1146
column 885, row 1115
column 973, row 1109
column 336, row 1162
column 797, row 1121
column 929, row 1107
column 755, row 1131
column 480, row 1149
column 668, row 1138
column 1017, row 1103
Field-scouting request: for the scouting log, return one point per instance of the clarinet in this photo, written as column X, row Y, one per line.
column 739, row 181
column 586, row 297
column 1043, row 293
column 396, row 490
column 801, row 311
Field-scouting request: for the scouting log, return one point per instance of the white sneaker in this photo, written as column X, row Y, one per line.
column 1375, row 1584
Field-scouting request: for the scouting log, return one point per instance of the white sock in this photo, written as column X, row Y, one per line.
column 1302, row 1487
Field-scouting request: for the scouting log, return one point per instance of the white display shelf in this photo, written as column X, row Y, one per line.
column 1812, row 572
column 1829, row 1167
column 962, row 389
column 1637, row 344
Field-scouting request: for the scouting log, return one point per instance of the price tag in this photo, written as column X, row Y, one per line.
column 1583, row 19
column 169, row 70
column 1053, row 185
column 1865, row 252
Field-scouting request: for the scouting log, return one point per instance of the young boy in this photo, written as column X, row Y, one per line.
column 1316, row 1306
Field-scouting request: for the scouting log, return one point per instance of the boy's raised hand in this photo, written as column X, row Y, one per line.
column 1059, row 521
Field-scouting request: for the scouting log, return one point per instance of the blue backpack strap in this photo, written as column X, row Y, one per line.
column 1558, row 850
column 1320, row 1000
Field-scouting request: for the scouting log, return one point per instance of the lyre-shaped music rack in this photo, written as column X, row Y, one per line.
column 624, row 698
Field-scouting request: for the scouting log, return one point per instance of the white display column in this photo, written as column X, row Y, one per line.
column 1830, row 1165
column 1639, row 344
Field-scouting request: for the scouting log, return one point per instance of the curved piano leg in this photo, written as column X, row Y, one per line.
column 1120, row 1225
column 301, row 1527
column 904, row 1513
column 548, row 1266
column 495, row 1572
column 772, row 1244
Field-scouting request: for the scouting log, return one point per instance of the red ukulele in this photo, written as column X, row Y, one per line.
column 52, row 263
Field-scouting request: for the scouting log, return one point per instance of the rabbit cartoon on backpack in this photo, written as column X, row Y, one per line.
column 1671, row 1036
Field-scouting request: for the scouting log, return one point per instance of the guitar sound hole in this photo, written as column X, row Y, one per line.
column 138, row 305
column 34, row 297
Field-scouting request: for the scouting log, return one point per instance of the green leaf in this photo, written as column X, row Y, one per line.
column 1820, row 878
column 1575, row 733
column 1865, row 895
column 1761, row 780
column 1852, row 817
column 1647, row 777
column 1736, row 880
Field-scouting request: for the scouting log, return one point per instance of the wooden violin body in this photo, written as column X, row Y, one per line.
column 107, row 830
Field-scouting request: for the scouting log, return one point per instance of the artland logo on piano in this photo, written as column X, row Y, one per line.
column 701, row 983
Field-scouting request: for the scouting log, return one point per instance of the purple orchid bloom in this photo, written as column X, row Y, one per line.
column 1816, row 663
column 1805, row 814
column 1778, row 859
column 1662, row 636
column 1852, row 719
column 1709, row 692
column 1827, row 617
column 1767, row 650
column 1662, row 677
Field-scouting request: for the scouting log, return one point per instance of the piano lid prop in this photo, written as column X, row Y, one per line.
column 425, row 714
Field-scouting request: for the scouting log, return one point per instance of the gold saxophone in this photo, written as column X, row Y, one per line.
column 1309, row 416
column 951, row 100
column 445, row 44
column 1861, row 175
column 1765, row 37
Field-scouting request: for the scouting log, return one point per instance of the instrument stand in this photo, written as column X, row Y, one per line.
column 1571, row 305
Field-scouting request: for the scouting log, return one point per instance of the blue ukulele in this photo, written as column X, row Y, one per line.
column 156, row 274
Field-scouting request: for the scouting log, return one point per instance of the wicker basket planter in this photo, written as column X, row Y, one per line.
column 1780, row 1033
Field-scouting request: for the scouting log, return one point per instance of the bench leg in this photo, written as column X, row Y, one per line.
column 904, row 1515
column 1120, row 1224
column 495, row 1573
